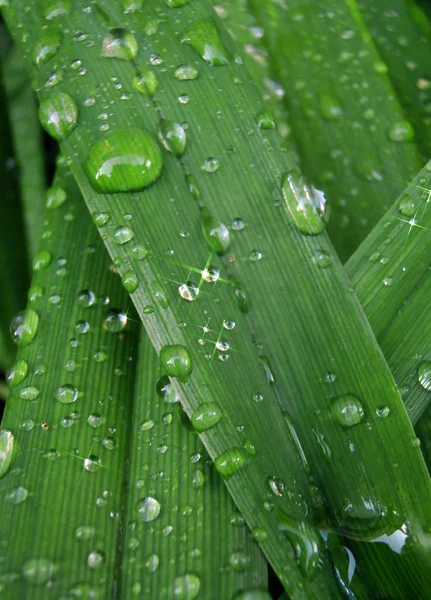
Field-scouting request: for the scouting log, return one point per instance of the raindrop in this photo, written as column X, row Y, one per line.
column 186, row 72
column 424, row 375
column 55, row 196
column 176, row 361
column 95, row 559
column 148, row 509
column 85, row 532
column 119, row 43
column 401, row 131
column 306, row 543
column 41, row 260
column 305, row 204
column 210, row 165
column 166, row 390
column 173, row 137
column 215, row 232
column 86, row 298
column 265, row 120
column 92, row 463
column 52, row 9
column 17, row 495
column 6, row 450
column 206, row 416
column 186, row 587
column 29, row 392
column 330, row 107
column 204, row 38
column 58, row 115
column 38, row 571
column 130, row 281
column 67, row 393
column 230, row 462
column 188, row 292
column 146, row 83
column 17, row 373
column 115, row 320
column 348, row 410
column 24, row 326
column 151, row 563
column 47, row 46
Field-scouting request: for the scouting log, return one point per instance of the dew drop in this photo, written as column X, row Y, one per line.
column 29, row 392
column 186, row 587
column 188, row 292
column 148, row 509
column 6, row 450
column 166, row 390
column 58, row 115
column 186, row 73
column 38, row 571
column 100, row 219
column 265, row 120
column 85, row 532
column 152, row 563
column 53, row 9
column 230, row 462
column 215, row 232
column 115, row 320
column 210, row 165
column 401, row 131
column 86, row 298
column 206, row 416
column 176, row 3
column 424, row 375
column 55, row 196
column 119, row 43
column 92, row 463
column 383, row 411
column 95, row 559
column 330, row 107
column 159, row 294
column 276, row 485
column 204, row 38
column 17, row 373
column 47, row 46
column 67, row 394
column 41, row 260
column 146, row 83
column 348, row 410
column 124, row 160
column 407, row 206
column 94, row 420
column 239, row 561
column 305, row 541
column 130, row 281
column 173, row 137
column 17, row 495
column 176, row 361
column 305, row 204
column 24, row 326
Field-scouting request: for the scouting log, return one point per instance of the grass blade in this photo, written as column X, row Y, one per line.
column 335, row 86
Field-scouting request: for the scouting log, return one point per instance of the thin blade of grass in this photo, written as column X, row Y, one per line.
column 335, row 89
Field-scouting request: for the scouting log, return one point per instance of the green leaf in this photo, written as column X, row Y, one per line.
column 335, row 85
column 114, row 457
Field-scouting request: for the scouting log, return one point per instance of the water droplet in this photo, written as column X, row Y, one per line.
column 259, row 534
column 152, row 563
column 67, row 393
column 204, row 38
column 401, row 131
column 215, row 232
column 29, row 392
column 229, row 462
column 305, row 204
column 86, row 298
column 17, row 373
column 92, row 463
column 17, row 495
column 6, row 450
column 265, row 120
column 348, row 410
column 276, row 485
column 210, row 165
column 130, row 281
column 253, row 594
column 239, row 561
column 115, row 320
column 159, row 294
column 407, row 206
column 41, row 260
column 119, row 43
column 52, row 9
column 176, row 361
column 173, row 137
column 124, row 160
column 387, row 281
column 166, row 390
column 58, row 115
column 47, row 46
column 95, row 559
column 210, row 275
column 94, row 420
column 330, row 106
column 321, row 258
column 85, row 532
column 238, row 224
column 305, row 541
column 188, row 292
column 24, row 326
column 424, row 375
column 55, row 196
column 186, row 72
column 206, row 416
column 146, row 83
column 383, row 411
column 186, row 587
column 148, row 509
column 242, row 296
column 176, row 3
column 38, row 571
column 131, row 6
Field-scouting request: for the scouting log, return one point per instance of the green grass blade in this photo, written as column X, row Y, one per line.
column 290, row 326
column 27, row 141
column 335, row 89
column 199, row 535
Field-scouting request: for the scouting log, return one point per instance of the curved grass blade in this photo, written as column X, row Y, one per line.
column 27, row 140
column 304, row 320
column 407, row 53
column 335, row 87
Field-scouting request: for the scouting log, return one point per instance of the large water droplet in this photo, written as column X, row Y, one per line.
column 67, row 393
column 24, row 326
column 92, row 463
column 305, row 541
column 148, row 509
column 230, row 462
column 17, row 373
column 173, row 137
column 215, row 232
column 95, row 559
column 424, row 375
column 204, row 38
column 47, row 46
column 124, row 160
column 38, row 571
column 41, row 260
column 130, row 281
column 115, row 320
column 401, row 131
column 6, row 450
column 146, row 83
column 206, row 416
column 119, row 43
column 186, row 587
column 176, row 361
column 58, row 115
column 305, row 204
column 348, row 410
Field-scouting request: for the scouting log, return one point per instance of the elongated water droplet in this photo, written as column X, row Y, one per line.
column 230, row 462
column 159, row 294
column 148, row 509
column 166, row 390
column 206, row 416
column 6, row 450
column 124, row 160
column 130, row 281
column 215, row 232
column 29, row 392
column 38, row 571
column 53, row 9
column 305, row 204
column 173, row 137
column 186, row 587
column 176, row 3
column 424, row 375
column 58, row 115
column 24, row 326
column 241, row 294
column 330, row 106
column 348, row 410
column 55, row 196
column 186, row 73
column 119, row 43
column 305, row 541
column 146, row 83
column 47, row 46
column 17, row 373
column 402, row 131
column 204, row 38
column 41, row 260
column 176, row 361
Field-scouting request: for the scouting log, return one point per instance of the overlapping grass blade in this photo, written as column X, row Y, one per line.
column 28, row 146
column 72, row 411
column 335, row 88
column 304, row 322
column 406, row 50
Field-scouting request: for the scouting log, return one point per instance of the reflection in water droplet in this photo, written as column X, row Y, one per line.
column 206, row 416
column 305, row 204
column 173, row 137
column 115, row 320
column 146, row 83
column 186, row 72
column 348, row 410
column 17, row 373
column 92, row 463
column 47, row 45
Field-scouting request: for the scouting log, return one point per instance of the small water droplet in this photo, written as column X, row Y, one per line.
column 330, row 106
column 215, row 232
column 67, row 393
column 148, row 509
column 176, row 361
column 38, row 571
column 276, row 485
column 186, row 587
column 55, row 196
column 188, row 291
column 348, row 410
column 94, row 420
column 265, row 120
column 152, row 563
column 53, row 9
column 47, row 46
column 29, row 392
column 230, row 461
column 92, row 463
column 130, row 281
column 95, row 559
column 210, row 165
column 186, row 73
column 58, row 115
column 41, row 260
column 115, row 320
column 146, row 83
column 424, row 375
column 17, row 373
